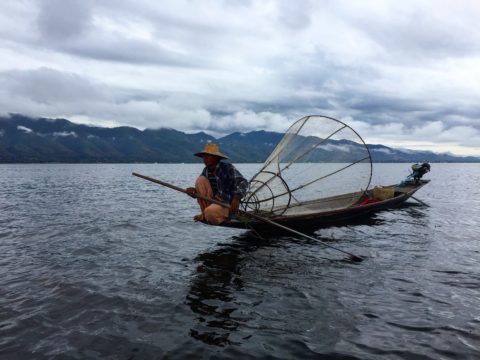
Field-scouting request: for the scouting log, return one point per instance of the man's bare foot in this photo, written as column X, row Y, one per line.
column 199, row 217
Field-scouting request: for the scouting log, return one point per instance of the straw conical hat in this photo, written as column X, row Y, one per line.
column 211, row 149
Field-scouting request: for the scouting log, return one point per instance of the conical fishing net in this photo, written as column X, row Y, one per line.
column 320, row 164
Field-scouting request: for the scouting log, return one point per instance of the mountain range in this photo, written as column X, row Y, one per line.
column 29, row 140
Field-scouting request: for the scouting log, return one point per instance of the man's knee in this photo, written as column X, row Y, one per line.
column 213, row 215
column 203, row 185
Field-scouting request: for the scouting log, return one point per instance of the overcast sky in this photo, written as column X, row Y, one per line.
column 402, row 73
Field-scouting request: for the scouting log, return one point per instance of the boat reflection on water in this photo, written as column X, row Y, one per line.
column 212, row 292
column 217, row 291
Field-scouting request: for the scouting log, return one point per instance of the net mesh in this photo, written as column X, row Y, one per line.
column 320, row 164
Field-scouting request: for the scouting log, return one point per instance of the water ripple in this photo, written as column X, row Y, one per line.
column 97, row 264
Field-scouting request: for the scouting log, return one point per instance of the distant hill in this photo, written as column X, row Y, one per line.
column 28, row 140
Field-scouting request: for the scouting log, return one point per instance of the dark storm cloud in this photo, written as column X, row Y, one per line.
column 49, row 86
column 60, row 20
column 69, row 27
column 130, row 52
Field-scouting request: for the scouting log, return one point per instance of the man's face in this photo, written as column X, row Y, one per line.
column 210, row 161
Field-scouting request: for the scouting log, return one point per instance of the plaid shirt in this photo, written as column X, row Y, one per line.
column 230, row 182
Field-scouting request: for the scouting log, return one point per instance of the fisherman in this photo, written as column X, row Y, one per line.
column 218, row 180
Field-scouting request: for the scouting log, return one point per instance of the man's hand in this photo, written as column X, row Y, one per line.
column 191, row 192
column 234, row 205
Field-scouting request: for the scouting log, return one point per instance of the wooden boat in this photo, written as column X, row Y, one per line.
column 312, row 214
column 317, row 175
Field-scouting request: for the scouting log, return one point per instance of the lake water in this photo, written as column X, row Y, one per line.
column 98, row 264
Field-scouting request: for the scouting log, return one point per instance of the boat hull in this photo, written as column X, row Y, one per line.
column 331, row 218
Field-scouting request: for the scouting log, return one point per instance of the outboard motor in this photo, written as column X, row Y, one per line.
column 418, row 170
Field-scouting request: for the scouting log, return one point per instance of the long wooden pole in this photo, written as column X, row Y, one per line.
column 244, row 213
column 420, row 201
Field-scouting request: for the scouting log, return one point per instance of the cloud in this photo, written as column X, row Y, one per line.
column 65, row 134
column 60, row 20
column 48, row 86
column 434, row 135
column 294, row 16
column 382, row 150
column 403, row 73
column 332, row 147
column 413, row 31
column 24, row 129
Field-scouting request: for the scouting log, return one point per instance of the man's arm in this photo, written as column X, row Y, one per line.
column 191, row 191
column 235, row 204
column 241, row 186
